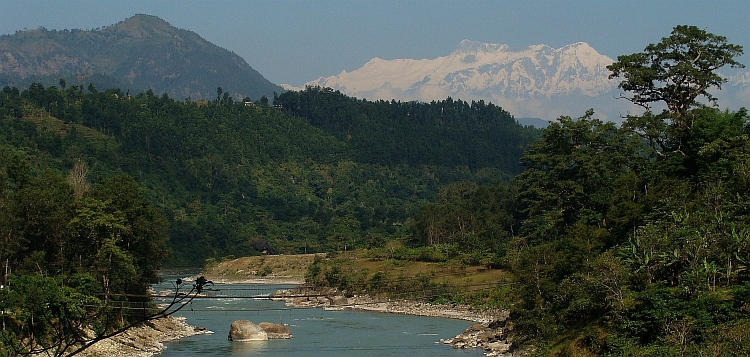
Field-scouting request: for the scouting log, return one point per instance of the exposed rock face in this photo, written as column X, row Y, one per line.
column 246, row 330
column 145, row 340
column 491, row 337
column 275, row 331
column 339, row 300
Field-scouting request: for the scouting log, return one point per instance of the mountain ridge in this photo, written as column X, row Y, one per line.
column 141, row 52
column 474, row 63
column 534, row 81
column 483, row 71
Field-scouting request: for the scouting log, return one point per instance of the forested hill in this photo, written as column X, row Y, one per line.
column 237, row 179
column 447, row 133
column 630, row 240
column 140, row 53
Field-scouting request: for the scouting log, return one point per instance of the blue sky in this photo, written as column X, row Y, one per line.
column 294, row 41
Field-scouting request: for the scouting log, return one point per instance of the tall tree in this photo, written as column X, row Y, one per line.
column 676, row 72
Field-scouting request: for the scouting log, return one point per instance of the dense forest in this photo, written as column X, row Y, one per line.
column 447, row 133
column 619, row 240
column 238, row 179
column 101, row 189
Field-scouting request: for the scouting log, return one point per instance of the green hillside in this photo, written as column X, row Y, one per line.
column 238, row 179
column 448, row 133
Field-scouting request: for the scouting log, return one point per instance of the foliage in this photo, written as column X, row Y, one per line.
column 449, row 133
column 241, row 179
column 66, row 259
column 675, row 72
column 41, row 317
column 632, row 247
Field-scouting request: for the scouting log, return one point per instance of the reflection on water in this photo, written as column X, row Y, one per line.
column 248, row 348
column 316, row 331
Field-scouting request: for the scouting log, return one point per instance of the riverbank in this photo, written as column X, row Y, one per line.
column 146, row 339
column 492, row 336
column 149, row 338
column 265, row 269
column 489, row 333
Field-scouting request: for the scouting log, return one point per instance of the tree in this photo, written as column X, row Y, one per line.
column 570, row 173
column 145, row 232
column 675, row 72
column 98, row 229
column 44, row 317
column 77, row 178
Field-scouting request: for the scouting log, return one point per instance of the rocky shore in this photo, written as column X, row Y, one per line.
column 489, row 332
column 258, row 281
column 491, row 337
column 145, row 340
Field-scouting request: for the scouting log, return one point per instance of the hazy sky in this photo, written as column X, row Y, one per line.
column 297, row 41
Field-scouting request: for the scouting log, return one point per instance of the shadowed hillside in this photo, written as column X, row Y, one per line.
column 140, row 53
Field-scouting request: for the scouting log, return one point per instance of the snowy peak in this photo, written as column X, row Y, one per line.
column 739, row 79
column 524, row 81
column 485, row 70
column 536, row 81
column 469, row 46
column 481, row 69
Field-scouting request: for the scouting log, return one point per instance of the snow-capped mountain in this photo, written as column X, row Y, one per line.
column 736, row 92
column 527, row 82
column 740, row 79
column 537, row 81
column 485, row 69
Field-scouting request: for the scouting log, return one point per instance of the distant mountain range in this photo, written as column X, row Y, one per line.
column 145, row 52
column 537, row 81
column 142, row 52
column 534, row 122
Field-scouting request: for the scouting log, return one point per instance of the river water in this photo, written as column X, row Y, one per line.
column 316, row 331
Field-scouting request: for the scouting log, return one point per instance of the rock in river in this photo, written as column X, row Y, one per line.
column 275, row 331
column 246, row 330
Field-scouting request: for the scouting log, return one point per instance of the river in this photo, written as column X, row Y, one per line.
column 316, row 331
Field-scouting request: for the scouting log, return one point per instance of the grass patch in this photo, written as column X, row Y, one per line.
column 450, row 281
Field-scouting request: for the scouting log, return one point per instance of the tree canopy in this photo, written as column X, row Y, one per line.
column 676, row 71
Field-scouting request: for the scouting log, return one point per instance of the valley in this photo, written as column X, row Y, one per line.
column 135, row 147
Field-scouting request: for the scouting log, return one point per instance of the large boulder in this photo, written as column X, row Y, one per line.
column 246, row 330
column 275, row 331
column 338, row 300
